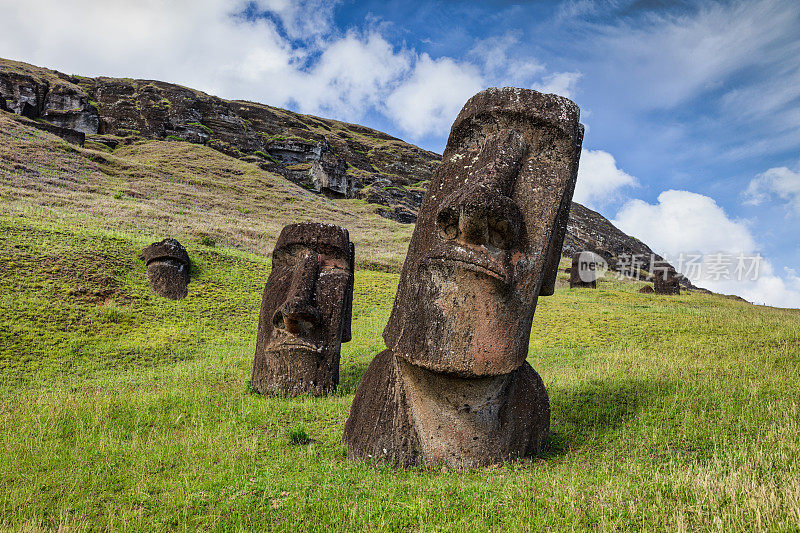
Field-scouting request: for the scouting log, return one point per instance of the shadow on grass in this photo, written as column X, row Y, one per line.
column 594, row 410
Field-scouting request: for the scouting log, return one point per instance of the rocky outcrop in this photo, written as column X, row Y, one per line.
column 71, row 136
column 327, row 156
column 40, row 94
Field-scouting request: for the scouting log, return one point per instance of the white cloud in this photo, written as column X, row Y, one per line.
column 560, row 83
column 302, row 19
column 599, row 179
column 497, row 61
column 353, row 74
column 431, row 98
column 679, row 57
column 780, row 182
column 294, row 56
column 683, row 224
column 684, row 221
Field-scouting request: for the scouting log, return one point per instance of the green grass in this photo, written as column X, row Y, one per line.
column 121, row 410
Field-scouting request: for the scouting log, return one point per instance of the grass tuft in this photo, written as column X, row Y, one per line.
column 296, row 434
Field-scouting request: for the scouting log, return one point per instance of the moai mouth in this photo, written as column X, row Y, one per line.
column 486, row 245
column 305, row 311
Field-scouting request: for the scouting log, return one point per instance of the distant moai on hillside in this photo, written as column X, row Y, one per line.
column 665, row 279
column 585, row 270
column 453, row 386
column 168, row 267
column 306, row 309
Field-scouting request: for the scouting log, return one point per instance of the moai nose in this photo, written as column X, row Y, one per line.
column 481, row 219
column 299, row 314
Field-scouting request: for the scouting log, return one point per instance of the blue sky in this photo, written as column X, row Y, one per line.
column 692, row 108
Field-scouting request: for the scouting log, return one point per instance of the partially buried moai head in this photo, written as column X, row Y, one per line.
column 168, row 268
column 306, row 310
column 489, row 234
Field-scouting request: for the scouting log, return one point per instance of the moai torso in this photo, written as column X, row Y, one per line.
column 453, row 386
column 305, row 311
column 168, row 268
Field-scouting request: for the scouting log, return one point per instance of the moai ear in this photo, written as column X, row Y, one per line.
column 550, row 273
column 347, row 314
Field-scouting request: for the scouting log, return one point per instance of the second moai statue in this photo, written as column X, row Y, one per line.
column 584, row 270
column 453, row 386
column 305, row 311
column 168, row 268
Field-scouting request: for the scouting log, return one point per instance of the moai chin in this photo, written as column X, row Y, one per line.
column 168, row 268
column 453, row 386
column 584, row 270
column 305, row 311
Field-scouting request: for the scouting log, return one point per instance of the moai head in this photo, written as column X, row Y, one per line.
column 305, row 311
column 167, row 268
column 489, row 235
column 586, row 268
column 666, row 282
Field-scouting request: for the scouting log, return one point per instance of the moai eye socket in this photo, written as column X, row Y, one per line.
column 501, row 234
column 447, row 222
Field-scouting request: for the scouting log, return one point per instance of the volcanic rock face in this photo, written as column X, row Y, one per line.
column 306, row 310
column 453, row 386
column 583, row 273
column 168, row 268
column 330, row 157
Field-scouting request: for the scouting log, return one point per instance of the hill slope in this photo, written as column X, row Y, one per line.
column 330, row 157
column 125, row 411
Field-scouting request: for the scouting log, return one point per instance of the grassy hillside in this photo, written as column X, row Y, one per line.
column 120, row 410
column 179, row 189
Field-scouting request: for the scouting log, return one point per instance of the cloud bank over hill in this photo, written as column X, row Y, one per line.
column 704, row 243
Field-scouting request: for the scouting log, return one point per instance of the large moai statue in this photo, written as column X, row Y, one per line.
column 453, row 386
column 584, row 270
column 168, row 268
column 305, row 311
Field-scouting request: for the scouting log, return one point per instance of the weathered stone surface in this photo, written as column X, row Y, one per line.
column 36, row 93
column 71, row 136
column 306, row 310
column 453, row 386
column 168, row 268
column 584, row 270
column 406, row 415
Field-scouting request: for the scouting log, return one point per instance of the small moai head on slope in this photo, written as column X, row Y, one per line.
column 489, row 234
column 168, row 268
column 586, row 268
column 306, row 311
